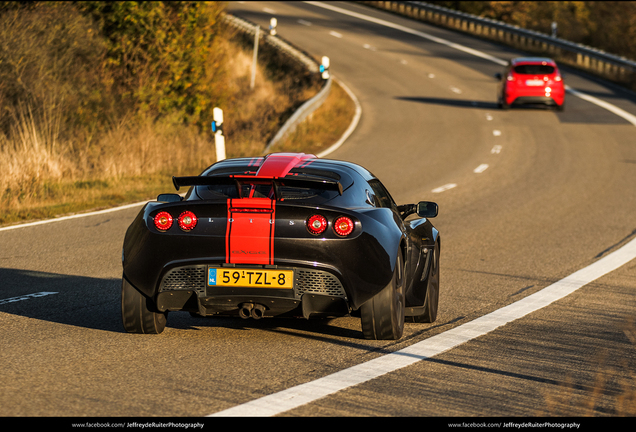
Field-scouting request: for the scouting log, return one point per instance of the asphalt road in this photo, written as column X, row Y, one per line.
column 528, row 197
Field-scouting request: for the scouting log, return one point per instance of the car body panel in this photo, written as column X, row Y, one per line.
column 531, row 80
column 255, row 236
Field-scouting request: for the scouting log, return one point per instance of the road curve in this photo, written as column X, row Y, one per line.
column 527, row 197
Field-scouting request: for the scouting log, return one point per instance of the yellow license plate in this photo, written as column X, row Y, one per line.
column 251, row 278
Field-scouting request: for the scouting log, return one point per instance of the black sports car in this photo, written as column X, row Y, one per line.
column 287, row 234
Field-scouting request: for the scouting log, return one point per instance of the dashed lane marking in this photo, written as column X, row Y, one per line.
column 26, row 297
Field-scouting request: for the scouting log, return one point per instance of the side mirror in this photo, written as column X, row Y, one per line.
column 427, row 209
column 169, row 197
column 498, row 76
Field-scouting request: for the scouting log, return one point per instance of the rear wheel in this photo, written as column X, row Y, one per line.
column 137, row 317
column 382, row 316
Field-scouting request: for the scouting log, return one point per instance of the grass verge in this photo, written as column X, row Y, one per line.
column 59, row 198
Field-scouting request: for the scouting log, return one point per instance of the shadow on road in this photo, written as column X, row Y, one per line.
column 94, row 303
column 460, row 103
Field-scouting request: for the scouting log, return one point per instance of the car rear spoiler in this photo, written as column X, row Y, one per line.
column 306, row 182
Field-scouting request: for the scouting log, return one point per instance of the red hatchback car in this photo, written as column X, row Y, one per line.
column 531, row 80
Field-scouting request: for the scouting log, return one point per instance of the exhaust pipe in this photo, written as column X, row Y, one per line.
column 250, row 310
column 245, row 310
column 258, row 311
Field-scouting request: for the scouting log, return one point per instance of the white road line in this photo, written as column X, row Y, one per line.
column 480, row 169
column 26, row 297
column 75, row 216
column 309, row 392
column 303, row 22
column 608, row 106
column 496, row 132
column 269, row 10
column 488, row 117
column 496, row 149
column 410, row 31
column 444, row 188
column 335, row 34
column 334, row 147
column 455, row 90
column 612, row 108
column 314, row 390
column 431, row 75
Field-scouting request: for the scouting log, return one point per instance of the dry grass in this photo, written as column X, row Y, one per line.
column 46, row 173
column 323, row 127
column 608, row 396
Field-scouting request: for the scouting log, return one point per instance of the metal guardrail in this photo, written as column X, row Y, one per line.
column 611, row 67
column 309, row 63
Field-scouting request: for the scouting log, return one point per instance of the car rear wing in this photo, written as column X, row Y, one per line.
column 276, row 182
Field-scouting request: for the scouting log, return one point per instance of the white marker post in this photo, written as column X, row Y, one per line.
column 324, row 67
column 272, row 26
column 217, row 128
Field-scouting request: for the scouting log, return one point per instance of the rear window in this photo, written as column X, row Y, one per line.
column 534, row 69
column 264, row 189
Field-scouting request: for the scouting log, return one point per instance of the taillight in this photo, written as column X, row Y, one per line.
column 163, row 221
column 187, row 220
column 343, row 226
column 316, row 224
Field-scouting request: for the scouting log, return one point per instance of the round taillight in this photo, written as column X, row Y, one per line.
column 317, row 224
column 343, row 226
column 163, row 221
column 187, row 220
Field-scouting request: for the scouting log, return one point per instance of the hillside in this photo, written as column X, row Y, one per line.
column 103, row 102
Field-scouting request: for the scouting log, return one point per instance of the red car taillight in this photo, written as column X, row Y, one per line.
column 343, row 226
column 187, row 220
column 316, row 224
column 163, row 221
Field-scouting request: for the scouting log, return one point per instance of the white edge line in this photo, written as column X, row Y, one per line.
column 608, row 106
column 305, row 393
column 334, row 147
column 75, row 216
column 612, row 108
column 409, row 30
column 352, row 126
column 302, row 394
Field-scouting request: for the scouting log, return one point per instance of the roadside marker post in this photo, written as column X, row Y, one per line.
column 219, row 138
column 324, row 67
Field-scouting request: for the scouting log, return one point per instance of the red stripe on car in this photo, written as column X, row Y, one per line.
column 250, row 231
column 279, row 165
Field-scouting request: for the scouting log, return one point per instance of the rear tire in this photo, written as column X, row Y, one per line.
column 382, row 316
column 137, row 317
